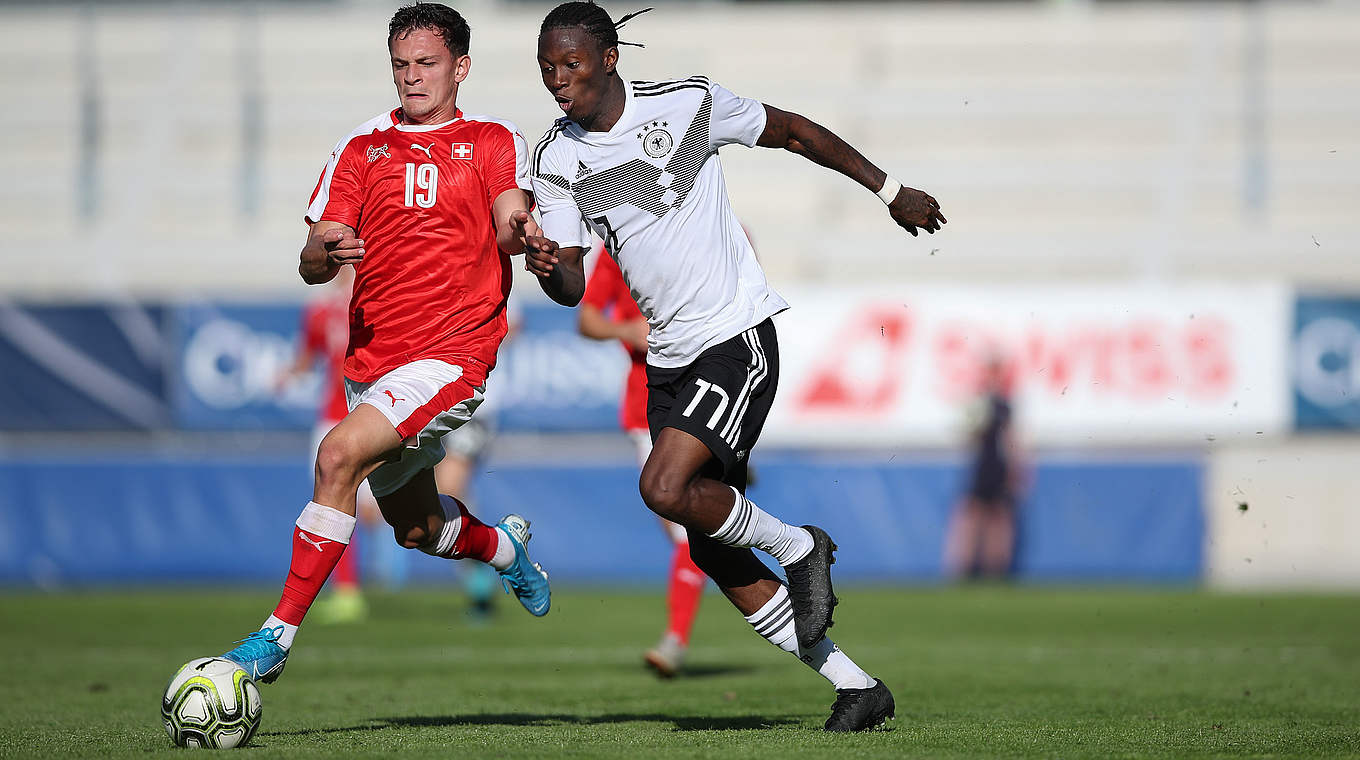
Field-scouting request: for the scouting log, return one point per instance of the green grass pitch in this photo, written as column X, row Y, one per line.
column 981, row 672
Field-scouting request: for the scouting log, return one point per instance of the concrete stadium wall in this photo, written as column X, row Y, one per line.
column 1284, row 514
column 1064, row 140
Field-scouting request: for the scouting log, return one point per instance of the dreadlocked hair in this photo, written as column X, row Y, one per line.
column 436, row 17
column 592, row 18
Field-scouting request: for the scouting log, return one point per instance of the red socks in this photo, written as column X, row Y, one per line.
column 476, row 539
column 685, row 590
column 319, row 540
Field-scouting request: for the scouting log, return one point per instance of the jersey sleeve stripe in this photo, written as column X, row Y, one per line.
column 322, row 194
column 551, row 135
column 649, row 85
column 676, row 88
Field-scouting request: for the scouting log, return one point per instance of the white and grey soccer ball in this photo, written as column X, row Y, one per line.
column 211, row 702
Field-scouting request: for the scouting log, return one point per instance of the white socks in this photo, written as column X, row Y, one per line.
column 749, row 525
column 774, row 622
column 442, row 544
column 505, row 551
column 327, row 522
column 289, row 631
column 828, row 659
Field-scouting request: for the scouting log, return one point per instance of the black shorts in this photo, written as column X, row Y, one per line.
column 722, row 397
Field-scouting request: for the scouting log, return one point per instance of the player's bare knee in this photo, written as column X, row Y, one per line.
column 663, row 493
column 337, row 463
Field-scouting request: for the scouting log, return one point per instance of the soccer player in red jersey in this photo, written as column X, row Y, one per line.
column 608, row 312
column 428, row 204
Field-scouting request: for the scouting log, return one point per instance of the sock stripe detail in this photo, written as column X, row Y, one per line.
column 772, row 611
column 783, row 619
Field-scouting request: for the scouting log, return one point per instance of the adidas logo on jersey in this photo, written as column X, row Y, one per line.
column 581, row 170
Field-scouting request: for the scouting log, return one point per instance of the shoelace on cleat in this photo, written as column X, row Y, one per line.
column 257, row 643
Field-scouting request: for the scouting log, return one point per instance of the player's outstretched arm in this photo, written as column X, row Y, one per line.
column 560, row 271
column 329, row 246
column 909, row 207
column 592, row 323
column 514, row 223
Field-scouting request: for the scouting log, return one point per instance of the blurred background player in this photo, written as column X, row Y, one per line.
column 324, row 339
column 637, row 164
column 981, row 537
column 608, row 312
column 432, row 276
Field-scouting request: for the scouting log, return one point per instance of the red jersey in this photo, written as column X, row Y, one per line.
column 433, row 283
column 606, row 291
column 325, row 333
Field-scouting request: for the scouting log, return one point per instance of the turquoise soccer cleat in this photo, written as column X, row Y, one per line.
column 260, row 654
column 527, row 580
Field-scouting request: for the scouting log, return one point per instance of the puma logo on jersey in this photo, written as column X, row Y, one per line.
column 424, row 149
column 394, row 398
column 376, row 152
column 313, row 541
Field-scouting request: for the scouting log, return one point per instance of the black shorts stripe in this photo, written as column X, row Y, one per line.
column 745, row 370
column 754, row 377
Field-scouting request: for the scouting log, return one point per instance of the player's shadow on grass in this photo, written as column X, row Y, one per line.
column 681, row 723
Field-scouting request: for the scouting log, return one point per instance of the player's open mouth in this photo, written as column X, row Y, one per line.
column 564, row 103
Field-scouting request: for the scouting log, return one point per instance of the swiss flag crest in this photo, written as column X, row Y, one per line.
column 462, row 150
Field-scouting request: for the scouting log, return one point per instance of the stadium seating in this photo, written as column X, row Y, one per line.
column 1130, row 140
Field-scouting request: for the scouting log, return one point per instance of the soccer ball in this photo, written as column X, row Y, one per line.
column 211, row 702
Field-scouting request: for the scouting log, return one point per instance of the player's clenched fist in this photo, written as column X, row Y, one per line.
column 913, row 208
column 342, row 246
column 540, row 254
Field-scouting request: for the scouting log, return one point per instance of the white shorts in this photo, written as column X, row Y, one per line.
column 423, row 400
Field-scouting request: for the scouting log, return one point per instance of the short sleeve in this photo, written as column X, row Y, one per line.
column 602, row 288
column 735, row 119
column 505, row 166
column 338, row 196
column 559, row 216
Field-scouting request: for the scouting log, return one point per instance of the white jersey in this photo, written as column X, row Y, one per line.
column 652, row 187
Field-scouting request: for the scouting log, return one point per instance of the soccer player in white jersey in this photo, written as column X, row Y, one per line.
column 637, row 162
column 427, row 204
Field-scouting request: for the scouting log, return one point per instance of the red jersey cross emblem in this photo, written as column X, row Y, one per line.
column 462, row 150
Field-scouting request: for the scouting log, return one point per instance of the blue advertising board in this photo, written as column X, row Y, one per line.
column 83, row 367
column 230, row 363
column 1325, row 358
column 214, row 518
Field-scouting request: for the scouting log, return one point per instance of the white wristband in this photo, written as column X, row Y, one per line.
column 889, row 192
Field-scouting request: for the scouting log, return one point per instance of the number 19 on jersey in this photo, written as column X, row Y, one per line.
column 422, row 182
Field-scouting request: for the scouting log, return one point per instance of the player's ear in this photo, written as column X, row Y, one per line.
column 461, row 68
column 611, row 59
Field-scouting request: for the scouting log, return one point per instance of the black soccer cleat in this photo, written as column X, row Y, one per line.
column 810, row 589
column 861, row 709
